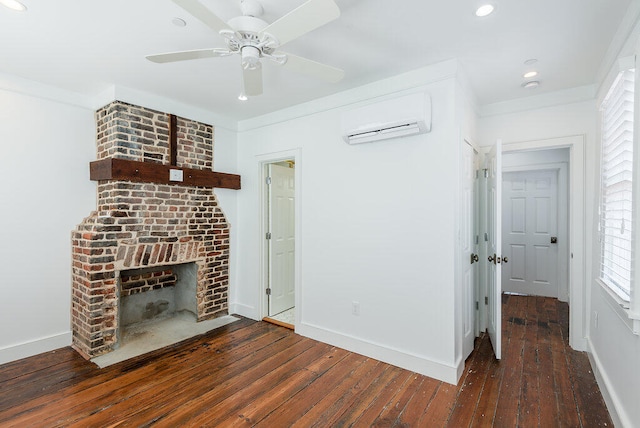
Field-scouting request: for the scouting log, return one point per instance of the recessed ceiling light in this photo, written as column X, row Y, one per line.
column 485, row 10
column 530, row 74
column 242, row 97
column 179, row 22
column 530, row 61
column 531, row 85
column 13, row 5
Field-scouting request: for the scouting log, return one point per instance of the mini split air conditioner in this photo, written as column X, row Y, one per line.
column 391, row 118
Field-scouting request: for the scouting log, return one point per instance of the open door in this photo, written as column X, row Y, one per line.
column 281, row 237
column 468, row 244
column 494, row 247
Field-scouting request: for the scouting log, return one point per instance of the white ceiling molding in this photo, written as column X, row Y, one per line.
column 549, row 99
column 44, row 91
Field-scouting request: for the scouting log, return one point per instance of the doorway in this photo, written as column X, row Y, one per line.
column 571, row 199
column 533, row 228
column 280, row 237
column 536, row 200
column 574, row 252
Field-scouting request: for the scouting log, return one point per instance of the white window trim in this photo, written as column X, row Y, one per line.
column 621, row 307
column 633, row 311
column 617, row 252
column 628, row 311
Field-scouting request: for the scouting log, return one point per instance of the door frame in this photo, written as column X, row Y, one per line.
column 578, row 297
column 263, row 161
column 562, row 222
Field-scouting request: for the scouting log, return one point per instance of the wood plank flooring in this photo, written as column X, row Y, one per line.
column 256, row 374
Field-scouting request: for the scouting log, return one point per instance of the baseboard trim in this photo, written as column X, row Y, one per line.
column 616, row 411
column 34, row 347
column 415, row 363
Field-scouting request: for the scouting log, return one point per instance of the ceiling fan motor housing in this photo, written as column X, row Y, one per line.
column 251, row 8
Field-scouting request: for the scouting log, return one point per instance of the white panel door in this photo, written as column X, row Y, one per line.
column 494, row 247
column 467, row 238
column 530, row 224
column 282, row 241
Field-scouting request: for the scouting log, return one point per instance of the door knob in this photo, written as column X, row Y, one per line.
column 505, row 260
column 492, row 259
column 554, row 239
column 474, row 258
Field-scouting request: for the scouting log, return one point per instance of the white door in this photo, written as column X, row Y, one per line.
column 282, row 238
column 494, row 229
column 529, row 232
column 469, row 256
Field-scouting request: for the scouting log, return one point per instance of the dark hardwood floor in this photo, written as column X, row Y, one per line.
column 254, row 373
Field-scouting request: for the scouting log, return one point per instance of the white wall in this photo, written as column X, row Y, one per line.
column 377, row 226
column 45, row 192
column 225, row 159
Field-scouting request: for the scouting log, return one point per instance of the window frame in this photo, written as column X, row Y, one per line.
column 627, row 310
column 617, row 249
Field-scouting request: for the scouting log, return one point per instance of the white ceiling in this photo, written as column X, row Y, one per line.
column 89, row 46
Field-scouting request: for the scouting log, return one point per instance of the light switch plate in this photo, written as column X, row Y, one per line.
column 175, row 175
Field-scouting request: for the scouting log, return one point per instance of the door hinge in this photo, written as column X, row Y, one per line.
column 486, row 173
column 268, row 291
column 477, row 305
column 268, row 235
column 486, row 237
column 268, row 180
column 486, row 300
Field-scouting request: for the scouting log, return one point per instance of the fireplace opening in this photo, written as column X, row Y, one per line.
column 154, row 295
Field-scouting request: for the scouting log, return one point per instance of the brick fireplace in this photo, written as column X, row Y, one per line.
column 146, row 221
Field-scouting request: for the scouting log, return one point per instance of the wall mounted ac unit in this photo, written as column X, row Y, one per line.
column 392, row 118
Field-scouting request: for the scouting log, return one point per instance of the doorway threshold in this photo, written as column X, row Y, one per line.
column 284, row 319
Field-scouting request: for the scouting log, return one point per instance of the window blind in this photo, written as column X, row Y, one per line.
column 617, row 184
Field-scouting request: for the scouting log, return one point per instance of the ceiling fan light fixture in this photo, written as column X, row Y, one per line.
column 250, row 57
column 242, row 97
column 530, row 74
column 484, row 10
column 14, row 5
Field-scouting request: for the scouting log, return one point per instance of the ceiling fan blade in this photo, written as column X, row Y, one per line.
column 305, row 18
column 313, row 68
column 252, row 79
column 187, row 55
column 198, row 10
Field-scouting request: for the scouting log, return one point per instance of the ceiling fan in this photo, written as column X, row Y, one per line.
column 254, row 39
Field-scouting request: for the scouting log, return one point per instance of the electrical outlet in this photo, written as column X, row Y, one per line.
column 355, row 308
column 176, row 175
column 595, row 319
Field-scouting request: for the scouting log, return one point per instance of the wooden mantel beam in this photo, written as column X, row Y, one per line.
column 149, row 172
